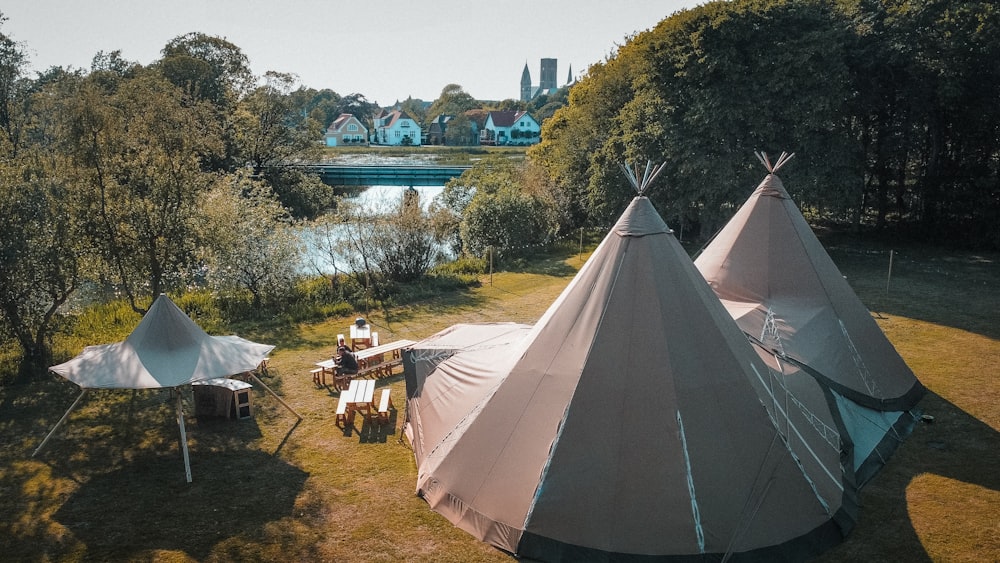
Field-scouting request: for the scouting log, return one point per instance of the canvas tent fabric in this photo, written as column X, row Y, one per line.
column 473, row 351
column 166, row 349
column 635, row 422
column 785, row 292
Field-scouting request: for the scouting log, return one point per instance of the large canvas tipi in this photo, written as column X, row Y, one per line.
column 634, row 422
column 784, row 291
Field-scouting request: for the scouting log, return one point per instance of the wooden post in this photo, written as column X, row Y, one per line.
column 581, row 244
column 490, row 249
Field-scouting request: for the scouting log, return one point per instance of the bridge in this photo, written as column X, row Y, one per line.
column 376, row 175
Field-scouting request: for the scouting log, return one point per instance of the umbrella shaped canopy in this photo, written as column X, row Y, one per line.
column 166, row 349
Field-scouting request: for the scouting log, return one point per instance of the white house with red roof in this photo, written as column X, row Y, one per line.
column 346, row 130
column 395, row 128
column 510, row 128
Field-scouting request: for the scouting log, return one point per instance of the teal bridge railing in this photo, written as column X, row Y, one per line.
column 377, row 175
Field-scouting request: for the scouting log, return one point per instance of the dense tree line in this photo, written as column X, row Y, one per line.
column 890, row 106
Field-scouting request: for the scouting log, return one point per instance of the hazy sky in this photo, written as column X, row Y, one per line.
column 385, row 49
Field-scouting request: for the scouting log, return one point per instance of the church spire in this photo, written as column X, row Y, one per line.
column 525, row 83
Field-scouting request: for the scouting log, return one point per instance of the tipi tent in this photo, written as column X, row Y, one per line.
column 784, row 291
column 167, row 349
column 633, row 422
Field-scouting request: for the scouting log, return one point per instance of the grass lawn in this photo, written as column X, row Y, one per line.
column 110, row 486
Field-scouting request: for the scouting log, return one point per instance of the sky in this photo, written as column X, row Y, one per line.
column 387, row 50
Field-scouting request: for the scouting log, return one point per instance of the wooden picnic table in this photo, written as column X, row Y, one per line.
column 371, row 361
column 359, row 396
column 371, row 356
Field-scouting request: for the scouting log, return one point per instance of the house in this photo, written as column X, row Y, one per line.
column 395, row 128
column 436, row 131
column 510, row 128
column 346, row 130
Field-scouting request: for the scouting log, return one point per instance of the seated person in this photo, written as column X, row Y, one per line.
column 346, row 362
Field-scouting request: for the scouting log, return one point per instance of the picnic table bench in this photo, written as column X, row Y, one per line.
column 359, row 396
column 377, row 361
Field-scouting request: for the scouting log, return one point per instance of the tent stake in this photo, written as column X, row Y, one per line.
column 60, row 423
column 275, row 395
column 184, row 442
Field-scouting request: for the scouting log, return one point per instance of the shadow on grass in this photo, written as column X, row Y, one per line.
column 956, row 289
column 111, row 484
column 956, row 446
column 148, row 505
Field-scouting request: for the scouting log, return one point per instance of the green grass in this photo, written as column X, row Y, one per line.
column 110, row 486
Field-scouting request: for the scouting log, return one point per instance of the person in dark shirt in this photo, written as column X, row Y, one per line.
column 346, row 362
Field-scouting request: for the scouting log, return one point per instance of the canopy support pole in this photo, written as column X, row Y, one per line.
column 275, row 395
column 60, row 423
column 184, row 442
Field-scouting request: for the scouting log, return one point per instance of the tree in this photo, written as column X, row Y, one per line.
column 39, row 250
column 452, row 101
column 249, row 244
column 415, row 109
column 358, row 106
column 139, row 151
column 319, row 105
column 459, row 131
column 207, row 68
column 268, row 131
column 701, row 92
column 491, row 206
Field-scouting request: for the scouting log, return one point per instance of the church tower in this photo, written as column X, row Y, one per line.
column 525, row 84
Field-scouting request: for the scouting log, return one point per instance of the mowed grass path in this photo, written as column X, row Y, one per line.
column 110, row 486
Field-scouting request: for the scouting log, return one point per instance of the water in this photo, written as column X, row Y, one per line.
column 316, row 258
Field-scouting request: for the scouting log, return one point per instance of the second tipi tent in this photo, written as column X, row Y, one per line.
column 785, row 292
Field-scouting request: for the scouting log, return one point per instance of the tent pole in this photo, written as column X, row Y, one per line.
column 60, row 423
column 275, row 395
column 184, row 442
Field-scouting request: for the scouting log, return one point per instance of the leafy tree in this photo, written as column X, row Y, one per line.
column 268, row 131
column 319, row 105
column 139, row 151
column 459, row 131
column 39, row 269
column 39, row 264
column 452, row 101
column 304, row 194
column 207, row 68
column 403, row 243
column 700, row 92
column 491, row 208
column 510, row 104
column 249, row 242
column 358, row 106
column 415, row 109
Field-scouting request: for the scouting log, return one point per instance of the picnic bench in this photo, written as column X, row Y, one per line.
column 359, row 396
column 377, row 361
column 384, row 404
